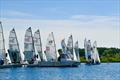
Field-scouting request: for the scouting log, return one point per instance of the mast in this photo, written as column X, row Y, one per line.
column 3, row 43
column 33, row 42
column 54, row 44
column 40, row 40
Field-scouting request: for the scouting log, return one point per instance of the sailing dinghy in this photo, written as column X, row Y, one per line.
column 51, row 52
column 70, row 48
column 38, row 45
column 91, row 53
column 29, row 49
column 14, row 50
column 96, row 59
column 4, row 57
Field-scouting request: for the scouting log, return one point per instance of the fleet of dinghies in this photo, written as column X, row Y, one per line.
column 34, row 56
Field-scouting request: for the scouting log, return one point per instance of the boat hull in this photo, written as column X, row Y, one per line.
column 91, row 63
column 56, row 64
column 44, row 64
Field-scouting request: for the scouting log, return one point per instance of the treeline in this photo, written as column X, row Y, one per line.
column 106, row 54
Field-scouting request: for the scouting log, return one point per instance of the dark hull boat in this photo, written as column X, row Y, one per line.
column 44, row 64
column 55, row 64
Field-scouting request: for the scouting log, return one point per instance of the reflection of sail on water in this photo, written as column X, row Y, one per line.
column 2, row 43
column 51, row 48
column 76, row 47
column 38, row 45
column 29, row 45
column 14, row 50
column 70, row 48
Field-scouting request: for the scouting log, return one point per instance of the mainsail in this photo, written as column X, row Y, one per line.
column 95, row 53
column 14, row 50
column 38, row 45
column 2, row 44
column 64, row 47
column 29, row 50
column 51, row 53
column 76, row 47
column 70, row 48
column 88, row 50
column 85, row 47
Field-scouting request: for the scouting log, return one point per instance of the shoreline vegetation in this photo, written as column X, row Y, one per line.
column 106, row 54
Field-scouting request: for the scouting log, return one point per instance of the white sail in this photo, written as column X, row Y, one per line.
column 70, row 48
column 51, row 53
column 29, row 50
column 85, row 47
column 2, row 43
column 3, row 55
column 64, row 47
column 38, row 45
column 14, row 50
column 76, row 47
column 95, row 52
column 89, row 53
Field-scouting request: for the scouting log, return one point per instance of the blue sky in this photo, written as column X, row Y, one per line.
column 58, row 9
column 94, row 19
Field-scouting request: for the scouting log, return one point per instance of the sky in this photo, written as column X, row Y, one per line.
column 97, row 20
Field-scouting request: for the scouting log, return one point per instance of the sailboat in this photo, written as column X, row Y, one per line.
column 4, row 57
column 51, row 52
column 38, row 45
column 70, row 48
column 29, row 50
column 14, row 50
column 96, row 59
column 64, row 56
column 76, row 48
column 91, row 53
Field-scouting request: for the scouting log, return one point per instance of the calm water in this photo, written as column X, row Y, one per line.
column 103, row 71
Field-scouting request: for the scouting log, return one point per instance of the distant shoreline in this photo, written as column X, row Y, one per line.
column 104, row 62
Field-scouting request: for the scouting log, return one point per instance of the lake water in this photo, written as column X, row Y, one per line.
column 104, row 71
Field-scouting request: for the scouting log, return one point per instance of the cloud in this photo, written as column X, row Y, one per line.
column 105, row 30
